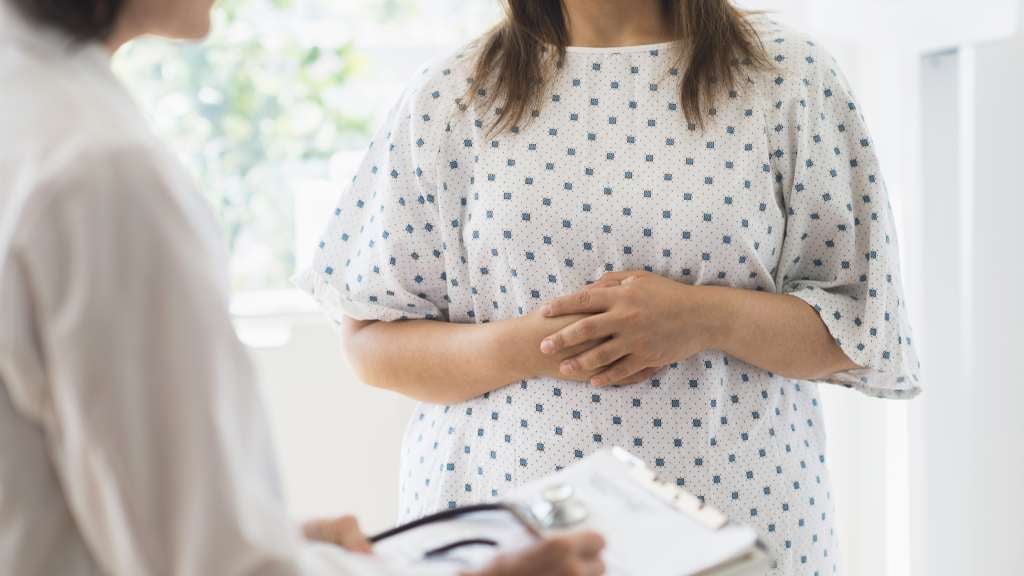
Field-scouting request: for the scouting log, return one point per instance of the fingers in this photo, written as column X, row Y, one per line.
column 618, row 372
column 354, row 539
column 586, row 301
column 588, row 544
column 570, row 555
column 343, row 532
column 579, row 332
column 619, row 276
column 590, row 299
column 575, row 555
column 595, row 358
column 587, row 552
column 349, row 536
column 601, row 283
column 641, row 376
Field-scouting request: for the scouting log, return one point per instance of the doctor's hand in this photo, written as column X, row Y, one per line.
column 343, row 532
column 571, row 555
column 523, row 349
column 644, row 322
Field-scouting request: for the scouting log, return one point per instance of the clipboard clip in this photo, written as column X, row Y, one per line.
column 673, row 495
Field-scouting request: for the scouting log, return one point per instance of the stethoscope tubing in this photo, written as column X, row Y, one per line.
column 441, row 517
column 442, row 550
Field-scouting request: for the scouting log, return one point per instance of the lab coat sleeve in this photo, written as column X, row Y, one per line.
column 840, row 253
column 156, row 426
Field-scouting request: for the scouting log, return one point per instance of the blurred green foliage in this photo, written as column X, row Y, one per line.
column 250, row 113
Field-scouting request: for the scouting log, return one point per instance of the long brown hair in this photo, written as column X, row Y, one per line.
column 514, row 65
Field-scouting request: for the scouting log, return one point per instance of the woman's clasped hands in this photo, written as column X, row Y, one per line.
column 625, row 327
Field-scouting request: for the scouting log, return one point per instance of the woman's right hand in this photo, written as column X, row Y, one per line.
column 571, row 555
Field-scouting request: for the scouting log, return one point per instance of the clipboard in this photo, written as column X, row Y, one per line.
column 652, row 528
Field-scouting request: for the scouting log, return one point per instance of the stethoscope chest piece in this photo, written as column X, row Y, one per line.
column 559, row 507
column 556, row 508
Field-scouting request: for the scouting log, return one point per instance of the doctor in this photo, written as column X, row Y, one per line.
column 132, row 438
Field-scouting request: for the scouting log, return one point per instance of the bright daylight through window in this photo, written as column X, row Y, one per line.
column 273, row 112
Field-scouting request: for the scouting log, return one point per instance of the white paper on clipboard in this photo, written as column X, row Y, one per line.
column 651, row 528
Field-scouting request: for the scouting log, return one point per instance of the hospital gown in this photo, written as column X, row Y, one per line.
column 780, row 192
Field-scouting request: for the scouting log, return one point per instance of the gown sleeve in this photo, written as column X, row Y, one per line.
column 382, row 255
column 840, row 253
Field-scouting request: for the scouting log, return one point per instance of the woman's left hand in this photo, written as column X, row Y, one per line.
column 649, row 321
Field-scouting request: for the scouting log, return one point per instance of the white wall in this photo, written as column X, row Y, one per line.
column 970, row 463
column 338, row 440
column 944, row 335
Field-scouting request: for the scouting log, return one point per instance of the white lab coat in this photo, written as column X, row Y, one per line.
column 132, row 436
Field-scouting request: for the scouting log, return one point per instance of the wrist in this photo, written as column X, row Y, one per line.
column 507, row 345
column 718, row 317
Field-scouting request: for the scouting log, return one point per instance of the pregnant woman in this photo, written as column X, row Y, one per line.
column 653, row 224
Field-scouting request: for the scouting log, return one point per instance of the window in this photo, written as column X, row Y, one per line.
column 273, row 112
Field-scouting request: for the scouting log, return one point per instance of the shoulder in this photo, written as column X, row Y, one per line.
column 440, row 86
column 73, row 97
column 799, row 63
column 71, row 129
column 96, row 176
column 421, row 118
column 86, row 165
column 70, row 125
column 117, row 207
column 75, row 153
column 91, row 187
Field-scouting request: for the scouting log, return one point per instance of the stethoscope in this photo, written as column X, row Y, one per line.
column 557, row 508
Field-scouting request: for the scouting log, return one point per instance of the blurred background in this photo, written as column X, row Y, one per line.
column 273, row 112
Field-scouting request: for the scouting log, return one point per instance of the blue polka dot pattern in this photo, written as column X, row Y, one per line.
column 781, row 192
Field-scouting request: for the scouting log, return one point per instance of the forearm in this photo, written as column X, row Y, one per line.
column 777, row 332
column 435, row 361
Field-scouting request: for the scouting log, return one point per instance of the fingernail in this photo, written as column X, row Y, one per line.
column 595, row 381
column 547, row 346
column 566, row 368
column 546, row 310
